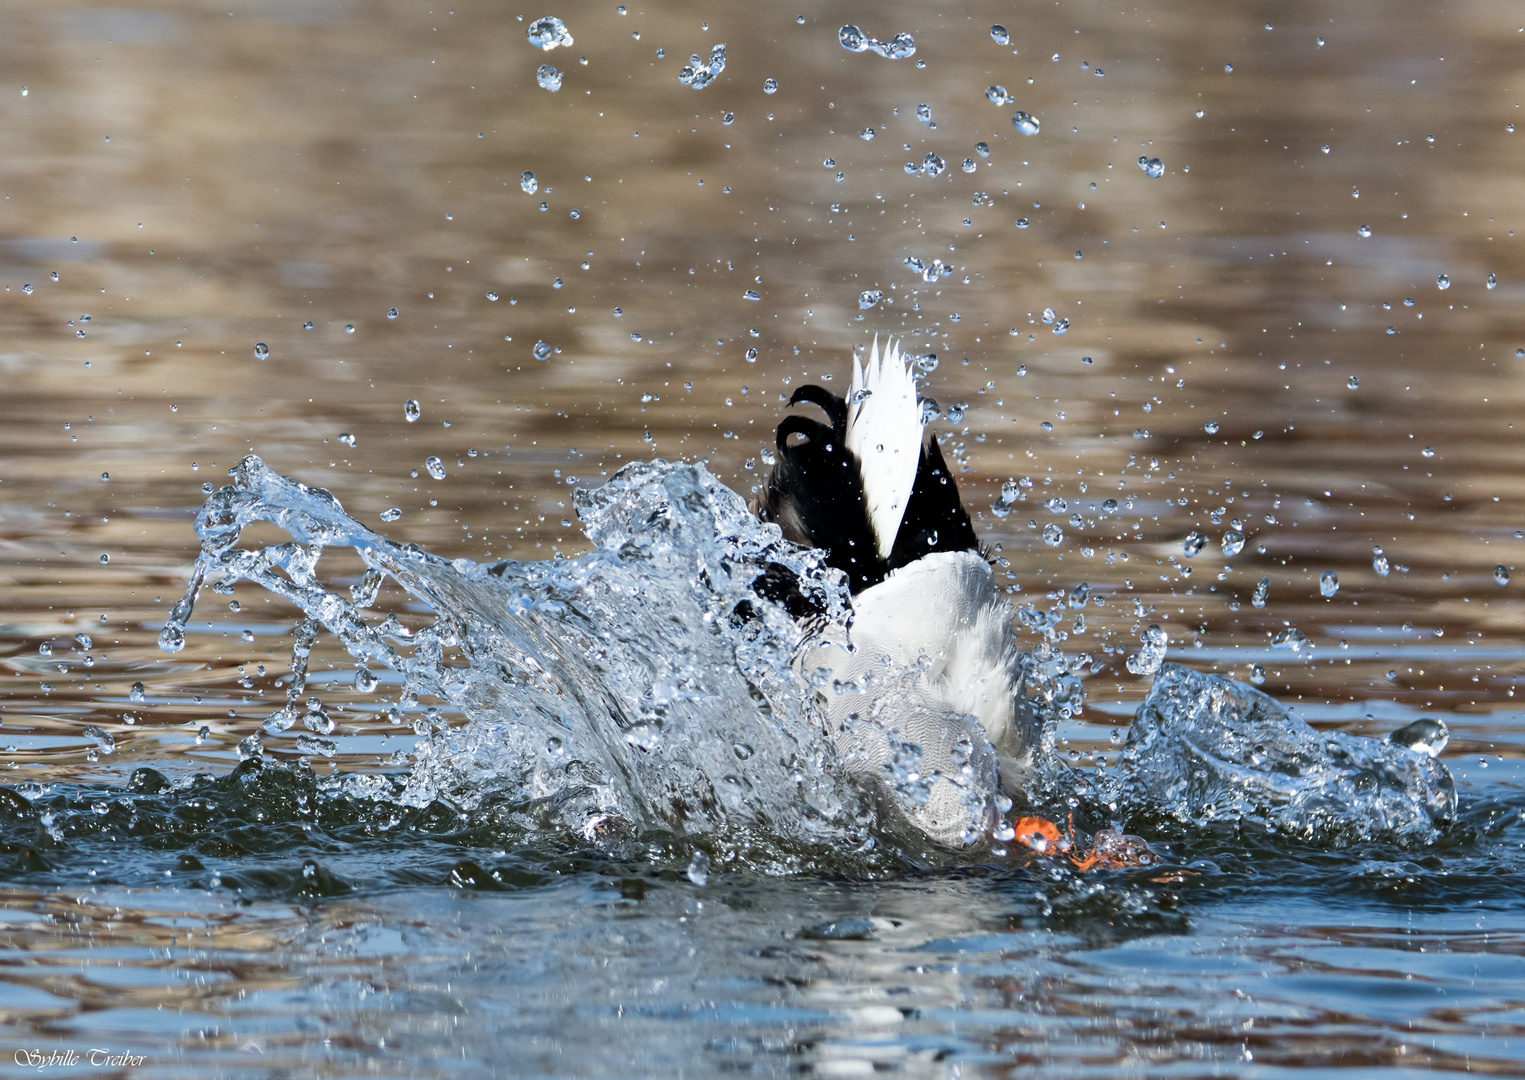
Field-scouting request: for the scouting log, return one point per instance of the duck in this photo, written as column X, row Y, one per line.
column 919, row 689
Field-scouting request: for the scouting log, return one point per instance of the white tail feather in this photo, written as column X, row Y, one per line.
column 884, row 429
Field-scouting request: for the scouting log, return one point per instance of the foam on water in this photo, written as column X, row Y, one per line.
column 653, row 686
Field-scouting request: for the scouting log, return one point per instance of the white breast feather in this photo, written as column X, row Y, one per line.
column 884, row 432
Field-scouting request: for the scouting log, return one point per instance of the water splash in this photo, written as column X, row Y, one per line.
column 1205, row 749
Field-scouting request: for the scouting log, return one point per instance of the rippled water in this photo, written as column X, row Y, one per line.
column 1303, row 337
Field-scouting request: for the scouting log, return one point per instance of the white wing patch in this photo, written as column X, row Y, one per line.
column 884, row 432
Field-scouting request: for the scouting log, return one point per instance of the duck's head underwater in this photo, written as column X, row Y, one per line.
column 920, row 689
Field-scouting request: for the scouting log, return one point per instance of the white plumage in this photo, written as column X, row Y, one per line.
column 884, row 431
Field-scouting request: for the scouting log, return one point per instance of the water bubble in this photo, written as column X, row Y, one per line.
column 435, row 466
column 869, row 297
column 1053, row 535
column 1328, row 583
column 391, row 514
column 1153, row 167
column 1026, row 124
column 1233, row 543
column 1364, row 231
column 1443, row 281
column 528, row 183
column 1501, row 574
column 542, row 351
column 1262, row 591
column 997, row 95
column 999, row 35
column 770, row 86
column 1493, row 281
column 1193, row 543
column 261, row 350
column 548, row 33
column 411, row 410
column 1291, row 638
column 548, row 77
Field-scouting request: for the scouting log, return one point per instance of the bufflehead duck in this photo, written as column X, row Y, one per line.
column 920, row 689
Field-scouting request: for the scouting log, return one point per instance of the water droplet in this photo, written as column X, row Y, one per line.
column 1493, row 281
column 136, row 694
column 548, row 77
column 1233, row 543
column 103, row 739
column 699, row 868
column 411, row 410
column 1258, row 674
column 390, row 514
column 542, row 351
column 751, row 294
column 869, row 297
column 305, row 326
column 698, row 73
column 866, row 134
column 982, row 149
column 1328, row 583
column 172, row 638
column 1443, row 281
column 1501, row 574
column 956, row 413
column 1291, row 638
column 27, row 289
column 1428, row 451
column 1053, row 535
column 366, row 681
column 1262, row 591
column 1022, row 223
column 261, row 350
column 1026, row 124
column 1153, row 167
column 999, row 35
column 549, row 33
column 391, row 313
column 1353, row 382
column 1423, row 736
column 349, row 328
column 528, row 182
column 435, row 466
column 1193, row 543
column 997, row 95
column 1364, row 231
column 1379, row 562
column 1211, row 427
column 852, row 39
column 770, row 86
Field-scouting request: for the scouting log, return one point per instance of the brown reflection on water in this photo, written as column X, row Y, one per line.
column 204, row 180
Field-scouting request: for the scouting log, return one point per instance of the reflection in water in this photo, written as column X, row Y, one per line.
column 1305, row 332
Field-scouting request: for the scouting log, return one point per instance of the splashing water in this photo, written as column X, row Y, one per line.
column 654, row 685
column 899, row 47
column 1205, row 749
column 699, row 73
